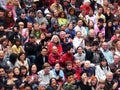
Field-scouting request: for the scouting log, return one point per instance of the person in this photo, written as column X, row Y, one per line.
column 58, row 73
column 45, row 74
column 80, row 55
column 53, row 85
column 41, row 58
column 70, row 82
column 106, row 52
column 109, row 82
column 3, row 62
column 116, row 64
column 102, row 69
column 101, row 85
column 93, row 82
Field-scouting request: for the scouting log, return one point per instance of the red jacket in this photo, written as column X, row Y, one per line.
column 78, row 71
column 54, row 58
column 86, row 8
column 59, row 47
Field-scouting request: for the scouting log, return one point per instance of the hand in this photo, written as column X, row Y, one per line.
column 115, row 85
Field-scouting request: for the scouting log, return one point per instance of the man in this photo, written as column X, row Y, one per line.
column 54, row 56
column 3, row 62
column 116, row 64
column 45, row 75
column 107, row 53
column 80, row 54
column 70, row 82
column 110, row 84
column 41, row 59
column 31, row 48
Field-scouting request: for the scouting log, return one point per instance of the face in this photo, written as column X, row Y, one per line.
column 70, row 26
column 91, row 24
column 118, row 46
column 80, row 50
column 44, row 52
column 84, row 75
column 27, row 88
column 94, row 82
column 91, row 12
column 69, row 66
column 23, row 15
column 55, row 50
column 1, row 14
column 10, row 75
column 23, row 71
column 87, row 64
column 70, row 78
column 29, row 25
column 105, row 46
column 57, row 67
column 34, row 69
column 10, row 14
column 109, row 24
column 116, row 59
column 62, row 15
column 32, row 40
column 42, row 36
column 54, row 83
column 22, row 57
column 109, row 77
column 80, row 23
column 16, row 71
column 104, row 63
column 5, row 43
column 100, row 35
column 1, row 55
column 55, row 39
column 32, row 14
column 77, row 62
column 47, row 70
column 2, row 72
column 78, row 34
column 62, row 35
column 71, row 51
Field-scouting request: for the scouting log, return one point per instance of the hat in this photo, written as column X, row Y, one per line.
column 32, row 36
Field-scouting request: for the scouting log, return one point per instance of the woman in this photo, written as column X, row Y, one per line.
column 55, row 41
column 9, row 18
column 83, row 84
column 117, row 48
column 33, row 77
column 58, row 73
column 53, row 85
column 90, row 25
column 93, row 82
column 116, row 35
column 62, row 20
column 70, row 30
column 11, row 80
column 22, row 61
column 102, row 69
column 17, row 47
column 16, row 72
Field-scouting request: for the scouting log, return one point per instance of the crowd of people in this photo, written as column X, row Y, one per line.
column 59, row 44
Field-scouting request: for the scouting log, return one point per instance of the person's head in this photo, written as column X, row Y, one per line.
column 109, row 76
column 94, row 81
column 17, row 42
column 31, row 13
column 70, row 26
column 118, row 45
column 91, row 12
column 70, row 50
column 10, row 73
column 116, row 59
column 86, row 2
column 100, row 10
column 13, row 57
column 33, row 69
column 1, row 55
column 117, row 33
column 2, row 72
column 55, row 39
column 77, row 63
column 109, row 23
column 29, row 25
column 1, row 27
column 55, row 13
column 100, row 22
column 101, row 84
column 42, row 87
column 87, row 64
column 2, row 12
column 70, row 77
column 79, row 50
column 105, row 3
column 54, row 49
column 91, row 33
column 4, row 42
column 53, row 82
column 73, row 2
column 14, row 87
column 99, row 35
column 57, row 67
column 90, row 24
column 42, row 36
column 22, row 56
column 44, row 51
column 71, row 11
column 16, row 71
column 83, row 76
column 105, row 45
column 21, row 25
column 23, row 71
column 9, row 14
column 28, row 87
column 62, row 34
column 62, row 14
column 39, row 13
column 46, row 68
column 103, row 62
column 69, row 65
column 36, row 27
column 80, row 22
column 78, row 34
column 23, row 14
column 31, row 38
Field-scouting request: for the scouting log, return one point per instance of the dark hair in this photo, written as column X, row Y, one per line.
column 51, row 80
column 20, row 55
column 101, row 20
column 69, row 47
column 23, row 68
column 68, row 62
column 68, row 74
column 28, row 85
column 31, row 68
column 9, row 71
column 61, row 14
column 13, row 57
column 70, row 9
column 46, row 65
column 103, row 59
column 14, row 72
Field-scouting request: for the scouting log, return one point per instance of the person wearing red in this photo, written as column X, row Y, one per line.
column 86, row 6
column 78, row 69
column 55, row 41
column 68, row 56
column 54, row 56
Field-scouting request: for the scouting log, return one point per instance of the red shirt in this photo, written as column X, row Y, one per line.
column 67, row 57
column 86, row 8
